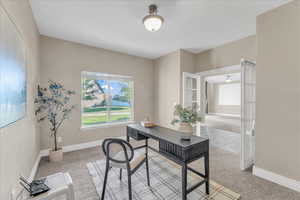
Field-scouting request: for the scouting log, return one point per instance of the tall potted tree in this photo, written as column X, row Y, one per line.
column 53, row 105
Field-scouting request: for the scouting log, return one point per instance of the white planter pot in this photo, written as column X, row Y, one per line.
column 55, row 156
column 187, row 129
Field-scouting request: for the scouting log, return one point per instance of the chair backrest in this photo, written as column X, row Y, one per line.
column 126, row 147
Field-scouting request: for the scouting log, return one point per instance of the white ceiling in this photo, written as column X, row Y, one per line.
column 194, row 25
column 222, row 78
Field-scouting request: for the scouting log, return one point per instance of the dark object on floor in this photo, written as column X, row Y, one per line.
column 34, row 188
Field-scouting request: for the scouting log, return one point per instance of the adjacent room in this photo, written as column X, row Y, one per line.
column 156, row 100
column 223, row 110
column 224, row 102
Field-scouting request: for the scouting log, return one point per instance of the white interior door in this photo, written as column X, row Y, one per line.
column 190, row 90
column 248, row 83
column 191, row 93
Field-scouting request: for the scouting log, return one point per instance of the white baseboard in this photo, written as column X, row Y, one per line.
column 76, row 147
column 276, row 178
column 68, row 148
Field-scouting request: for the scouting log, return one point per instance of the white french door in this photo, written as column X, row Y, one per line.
column 248, row 83
column 191, row 93
column 190, row 90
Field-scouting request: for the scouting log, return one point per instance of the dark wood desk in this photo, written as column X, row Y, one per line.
column 172, row 147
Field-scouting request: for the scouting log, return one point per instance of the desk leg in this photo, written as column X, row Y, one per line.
column 206, row 166
column 147, row 163
column 184, row 181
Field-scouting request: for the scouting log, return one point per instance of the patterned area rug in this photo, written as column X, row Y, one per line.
column 165, row 180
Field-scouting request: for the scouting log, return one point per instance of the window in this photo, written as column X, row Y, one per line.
column 229, row 94
column 106, row 99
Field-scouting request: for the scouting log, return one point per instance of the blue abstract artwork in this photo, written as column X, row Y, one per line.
column 12, row 72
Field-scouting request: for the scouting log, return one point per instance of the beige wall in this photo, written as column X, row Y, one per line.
column 187, row 61
column 227, row 55
column 20, row 142
column 168, row 83
column 278, row 91
column 64, row 61
column 167, row 87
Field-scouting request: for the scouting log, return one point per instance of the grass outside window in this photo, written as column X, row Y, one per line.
column 106, row 101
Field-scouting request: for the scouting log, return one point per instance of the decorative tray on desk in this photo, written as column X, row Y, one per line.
column 148, row 124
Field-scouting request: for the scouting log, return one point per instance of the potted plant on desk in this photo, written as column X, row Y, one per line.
column 53, row 104
column 186, row 117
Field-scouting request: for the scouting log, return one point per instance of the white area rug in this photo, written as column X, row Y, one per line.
column 165, row 180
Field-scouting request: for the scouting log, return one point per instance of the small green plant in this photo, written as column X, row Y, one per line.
column 53, row 104
column 185, row 115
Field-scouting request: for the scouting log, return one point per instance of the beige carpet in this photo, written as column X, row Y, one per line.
column 165, row 183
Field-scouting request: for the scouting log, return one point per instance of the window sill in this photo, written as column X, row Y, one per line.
column 117, row 124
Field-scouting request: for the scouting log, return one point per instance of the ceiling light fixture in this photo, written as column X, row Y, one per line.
column 153, row 22
column 228, row 79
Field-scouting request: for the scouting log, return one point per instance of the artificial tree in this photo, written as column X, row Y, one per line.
column 53, row 104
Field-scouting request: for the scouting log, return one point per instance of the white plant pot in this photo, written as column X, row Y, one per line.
column 187, row 129
column 55, row 156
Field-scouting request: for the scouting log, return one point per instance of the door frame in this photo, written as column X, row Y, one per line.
column 245, row 163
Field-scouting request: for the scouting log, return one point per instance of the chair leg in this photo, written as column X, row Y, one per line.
column 120, row 174
column 129, row 185
column 105, row 180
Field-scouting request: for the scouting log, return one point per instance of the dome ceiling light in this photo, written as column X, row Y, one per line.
column 153, row 22
column 228, row 79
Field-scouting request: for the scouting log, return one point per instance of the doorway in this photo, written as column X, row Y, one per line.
column 236, row 129
column 222, row 115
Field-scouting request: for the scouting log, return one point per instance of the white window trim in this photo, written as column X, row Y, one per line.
column 108, row 124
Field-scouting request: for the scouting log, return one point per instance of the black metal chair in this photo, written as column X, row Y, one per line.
column 125, row 159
